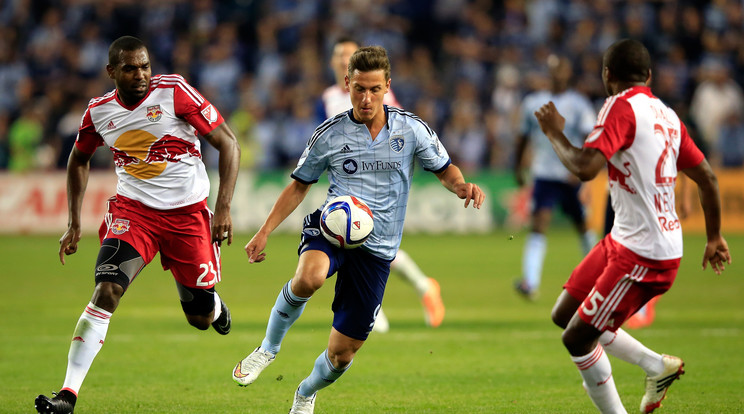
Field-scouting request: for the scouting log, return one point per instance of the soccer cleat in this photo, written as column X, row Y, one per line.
column 656, row 387
column 224, row 322
column 521, row 287
column 433, row 305
column 251, row 366
column 302, row 404
column 62, row 403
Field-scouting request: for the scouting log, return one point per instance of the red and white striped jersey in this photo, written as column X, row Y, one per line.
column 645, row 144
column 154, row 142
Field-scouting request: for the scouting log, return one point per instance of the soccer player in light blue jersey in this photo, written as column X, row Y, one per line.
column 553, row 185
column 368, row 152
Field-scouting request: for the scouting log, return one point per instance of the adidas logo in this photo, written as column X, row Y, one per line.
column 110, row 125
column 346, row 149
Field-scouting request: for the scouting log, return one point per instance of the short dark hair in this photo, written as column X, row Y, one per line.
column 628, row 61
column 369, row 58
column 124, row 43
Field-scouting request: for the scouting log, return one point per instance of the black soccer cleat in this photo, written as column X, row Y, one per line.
column 223, row 323
column 62, row 403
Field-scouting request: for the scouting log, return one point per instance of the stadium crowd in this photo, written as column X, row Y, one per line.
column 462, row 65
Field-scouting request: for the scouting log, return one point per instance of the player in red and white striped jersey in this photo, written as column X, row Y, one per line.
column 150, row 123
column 644, row 144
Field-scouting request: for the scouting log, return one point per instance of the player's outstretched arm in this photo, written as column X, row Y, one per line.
column 223, row 139
column 716, row 249
column 78, row 170
column 584, row 163
column 288, row 200
column 452, row 179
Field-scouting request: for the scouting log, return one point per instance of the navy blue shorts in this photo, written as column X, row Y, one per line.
column 360, row 283
column 549, row 193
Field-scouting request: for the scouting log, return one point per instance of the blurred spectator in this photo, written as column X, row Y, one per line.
column 50, row 49
column 24, row 138
column 717, row 99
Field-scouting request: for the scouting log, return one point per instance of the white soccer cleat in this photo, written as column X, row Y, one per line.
column 302, row 404
column 656, row 387
column 251, row 366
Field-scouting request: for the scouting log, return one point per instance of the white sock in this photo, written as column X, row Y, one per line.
column 409, row 271
column 217, row 306
column 596, row 371
column 621, row 345
column 87, row 340
column 533, row 258
column 588, row 240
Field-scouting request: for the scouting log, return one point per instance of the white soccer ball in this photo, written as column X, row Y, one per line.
column 346, row 222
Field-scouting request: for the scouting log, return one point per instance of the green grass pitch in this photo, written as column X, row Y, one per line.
column 494, row 353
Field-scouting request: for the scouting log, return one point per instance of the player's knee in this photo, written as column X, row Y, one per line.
column 199, row 322
column 341, row 359
column 197, row 305
column 107, row 295
column 306, row 283
column 558, row 317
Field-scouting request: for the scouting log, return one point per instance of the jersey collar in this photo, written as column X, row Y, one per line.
column 356, row 121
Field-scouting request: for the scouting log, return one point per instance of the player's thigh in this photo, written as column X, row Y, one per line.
column 360, row 286
column 312, row 271
column 622, row 289
column 190, row 254
column 118, row 262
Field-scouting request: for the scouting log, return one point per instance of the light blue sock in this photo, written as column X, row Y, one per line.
column 588, row 240
column 533, row 258
column 323, row 375
column 286, row 310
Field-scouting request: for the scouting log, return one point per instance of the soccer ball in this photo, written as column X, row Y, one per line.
column 346, row 222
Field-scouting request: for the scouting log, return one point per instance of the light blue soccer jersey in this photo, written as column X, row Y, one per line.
column 580, row 118
column 379, row 172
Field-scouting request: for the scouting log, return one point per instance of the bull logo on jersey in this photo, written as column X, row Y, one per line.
column 620, row 177
column 350, row 166
column 397, row 143
column 120, row 226
column 144, row 156
column 154, row 113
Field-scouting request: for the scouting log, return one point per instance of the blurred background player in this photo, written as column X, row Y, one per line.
column 371, row 131
column 149, row 123
column 336, row 99
column 644, row 145
column 553, row 184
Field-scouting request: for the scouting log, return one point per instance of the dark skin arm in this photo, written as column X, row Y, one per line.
column 716, row 249
column 78, row 170
column 223, row 139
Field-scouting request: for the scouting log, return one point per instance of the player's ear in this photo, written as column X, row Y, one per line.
column 347, row 82
column 648, row 78
column 110, row 71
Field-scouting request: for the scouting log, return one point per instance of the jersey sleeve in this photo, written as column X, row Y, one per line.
column 88, row 139
column 615, row 128
column 689, row 154
column 429, row 150
column 197, row 111
column 313, row 161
